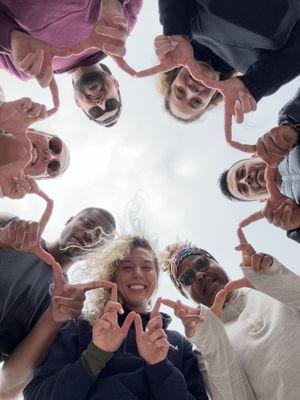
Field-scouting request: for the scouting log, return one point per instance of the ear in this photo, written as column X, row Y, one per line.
column 116, row 82
column 76, row 101
column 69, row 220
column 262, row 200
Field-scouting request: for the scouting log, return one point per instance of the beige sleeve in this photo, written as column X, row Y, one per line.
column 218, row 362
column 278, row 282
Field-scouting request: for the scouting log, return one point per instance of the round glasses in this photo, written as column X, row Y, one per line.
column 186, row 278
column 55, row 146
column 110, row 105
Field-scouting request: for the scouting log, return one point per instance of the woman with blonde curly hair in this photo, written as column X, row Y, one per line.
column 119, row 349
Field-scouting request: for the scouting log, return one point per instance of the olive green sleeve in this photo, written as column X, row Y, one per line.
column 95, row 359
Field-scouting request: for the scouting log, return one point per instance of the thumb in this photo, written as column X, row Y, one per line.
column 237, row 284
column 138, row 325
column 219, row 301
column 127, row 323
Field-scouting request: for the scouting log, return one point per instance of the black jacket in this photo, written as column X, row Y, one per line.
column 125, row 377
column 259, row 38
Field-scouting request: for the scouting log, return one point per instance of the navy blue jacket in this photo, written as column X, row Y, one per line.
column 125, row 377
column 259, row 38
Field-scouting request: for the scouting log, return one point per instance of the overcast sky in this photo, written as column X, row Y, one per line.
column 148, row 160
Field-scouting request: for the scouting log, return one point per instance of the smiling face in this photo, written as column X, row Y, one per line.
column 97, row 94
column 136, row 278
column 50, row 155
column 246, row 179
column 84, row 231
column 189, row 98
column 207, row 283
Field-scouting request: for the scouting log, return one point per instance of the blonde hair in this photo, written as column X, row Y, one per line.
column 103, row 264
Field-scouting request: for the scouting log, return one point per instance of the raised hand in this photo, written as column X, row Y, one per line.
column 279, row 210
column 107, row 334
column 237, row 100
column 16, row 116
column 190, row 316
column 109, row 34
column 173, row 51
column 152, row 344
column 273, row 146
column 34, row 56
column 67, row 301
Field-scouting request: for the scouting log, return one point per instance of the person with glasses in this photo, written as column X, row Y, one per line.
column 248, row 340
column 28, row 286
column 40, row 38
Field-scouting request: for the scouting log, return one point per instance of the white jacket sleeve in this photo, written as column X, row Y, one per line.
column 223, row 373
column 278, row 282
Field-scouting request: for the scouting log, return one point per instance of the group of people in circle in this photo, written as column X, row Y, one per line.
column 106, row 335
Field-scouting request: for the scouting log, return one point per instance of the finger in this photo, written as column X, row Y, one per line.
column 48, row 210
column 26, row 62
column 256, row 261
column 244, row 99
column 35, row 110
column 272, row 146
column 219, row 302
column 114, row 33
column 114, row 306
column 68, row 302
column 138, row 325
column 59, row 279
column 114, row 292
column 21, row 184
column 199, row 76
column 154, row 323
column 128, row 321
column 273, row 191
column 263, row 152
column 124, row 66
column 114, row 50
column 36, row 66
column 20, row 234
column 246, row 148
column 246, row 248
column 46, row 75
column 102, row 325
column 241, row 236
column 227, row 121
column 173, row 304
column 188, row 319
column 96, row 285
column 111, row 317
column 238, row 112
column 266, row 263
column 26, row 104
column 252, row 218
column 55, row 97
column 121, row 21
column 155, row 310
column 286, row 220
column 157, row 334
column 169, row 303
column 237, row 284
column 164, row 49
column 33, row 234
column 161, row 343
column 74, row 292
column 253, row 103
column 153, row 71
column 160, row 38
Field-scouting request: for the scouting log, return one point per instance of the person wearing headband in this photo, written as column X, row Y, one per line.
column 253, row 334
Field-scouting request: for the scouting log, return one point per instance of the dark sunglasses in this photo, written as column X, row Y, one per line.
column 55, row 146
column 186, row 278
column 110, row 105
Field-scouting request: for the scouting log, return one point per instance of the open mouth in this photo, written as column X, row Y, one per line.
column 137, row 287
column 34, row 155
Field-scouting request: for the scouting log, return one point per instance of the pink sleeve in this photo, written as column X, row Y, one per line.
column 6, row 63
column 131, row 10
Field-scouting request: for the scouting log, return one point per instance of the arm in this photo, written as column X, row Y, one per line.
column 278, row 282
column 290, row 113
column 175, row 16
column 18, row 369
column 225, row 378
column 268, row 74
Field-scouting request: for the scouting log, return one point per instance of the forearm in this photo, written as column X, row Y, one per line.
column 290, row 113
column 224, row 376
column 277, row 282
column 268, row 74
column 175, row 16
column 18, row 369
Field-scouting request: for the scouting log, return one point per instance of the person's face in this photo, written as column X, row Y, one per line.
column 136, row 278
column 96, row 93
column 208, row 280
column 189, row 98
column 50, row 155
column 246, row 179
column 83, row 232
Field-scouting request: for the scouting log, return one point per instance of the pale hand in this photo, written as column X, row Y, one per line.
column 107, row 334
column 273, row 146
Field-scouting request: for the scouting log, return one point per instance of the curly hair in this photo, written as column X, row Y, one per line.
column 164, row 83
column 103, row 264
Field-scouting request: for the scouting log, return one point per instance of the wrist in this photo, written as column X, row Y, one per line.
column 50, row 320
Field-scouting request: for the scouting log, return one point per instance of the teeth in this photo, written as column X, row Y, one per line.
column 34, row 155
column 137, row 286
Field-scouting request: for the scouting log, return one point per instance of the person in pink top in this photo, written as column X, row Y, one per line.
column 39, row 38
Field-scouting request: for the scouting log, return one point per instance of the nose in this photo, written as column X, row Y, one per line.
column 137, row 272
column 88, row 237
column 101, row 102
column 200, row 276
column 47, row 156
column 248, row 179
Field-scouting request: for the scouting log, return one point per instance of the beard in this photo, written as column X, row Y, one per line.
column 86, row 81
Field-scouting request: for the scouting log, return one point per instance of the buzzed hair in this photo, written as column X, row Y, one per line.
column 223, row 183
column 109, row 218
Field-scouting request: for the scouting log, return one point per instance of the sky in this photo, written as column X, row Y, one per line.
column 151, row 167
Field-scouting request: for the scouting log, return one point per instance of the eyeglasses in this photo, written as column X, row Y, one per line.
column 110, row 105
column 55, row 146
column 186, row 278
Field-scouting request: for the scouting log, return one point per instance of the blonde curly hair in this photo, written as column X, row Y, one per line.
column 103, row 264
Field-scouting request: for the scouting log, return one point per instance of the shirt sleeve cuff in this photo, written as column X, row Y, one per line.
column 160, row 371
column 95, row 359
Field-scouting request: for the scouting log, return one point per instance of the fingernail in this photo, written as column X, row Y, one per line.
column 121, row 311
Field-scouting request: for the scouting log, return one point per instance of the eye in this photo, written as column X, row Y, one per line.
column 88, row 224
column 111, row 104
column 55, row 145
column 53, row 168
column 179, row 93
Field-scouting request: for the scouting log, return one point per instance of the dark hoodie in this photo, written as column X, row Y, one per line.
column 126, row 376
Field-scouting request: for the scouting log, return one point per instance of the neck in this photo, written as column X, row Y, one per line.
column 59, row 256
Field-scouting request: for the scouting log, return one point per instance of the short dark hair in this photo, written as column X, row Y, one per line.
column 109, row 218
column 223, row 183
